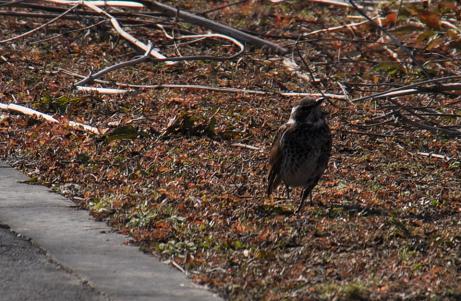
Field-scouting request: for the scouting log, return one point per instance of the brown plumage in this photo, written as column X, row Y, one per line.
column 301, row 150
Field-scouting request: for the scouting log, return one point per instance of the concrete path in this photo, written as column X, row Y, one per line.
column 80, row 253
column 27, row 273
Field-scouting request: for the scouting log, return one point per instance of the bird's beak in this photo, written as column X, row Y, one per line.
column 319, row 101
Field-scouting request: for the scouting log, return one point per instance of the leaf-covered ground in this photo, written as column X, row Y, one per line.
column 386, row 218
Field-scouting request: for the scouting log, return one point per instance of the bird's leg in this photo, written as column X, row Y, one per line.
column 306, row 192
column 287, row 191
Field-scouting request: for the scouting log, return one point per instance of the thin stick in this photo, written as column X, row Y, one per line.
column 200, row 37
column 365, row 133
column 332, row 2
column 201, row 87
column 40, row 115
column 432, row 155
column 67, row 32
column 335, row 28
column 102, row 90
column 327, row 2
column 427, row 127
column 130, row 4
column 394, row 39
column 176, row 265
column 123, row 33
column 433, row 89
column 41, row 26
column 92, row 77
column 433, row 80
column 391, row 53
column 214, row 26
column 247, row 146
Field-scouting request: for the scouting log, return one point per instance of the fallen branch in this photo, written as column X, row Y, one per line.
column 119, row 29
column 214, row 26
column 406, row 87
column 90, row 78
column 39, row 115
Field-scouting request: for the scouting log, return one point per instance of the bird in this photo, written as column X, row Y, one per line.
column 301, row 150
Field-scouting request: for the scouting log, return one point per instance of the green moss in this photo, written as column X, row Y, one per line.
column 343, row 291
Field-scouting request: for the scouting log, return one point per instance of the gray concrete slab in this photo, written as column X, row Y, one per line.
column 88, row 248
column 27, row 273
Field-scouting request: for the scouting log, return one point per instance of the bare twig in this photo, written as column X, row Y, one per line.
column 247, row 146
column 40, row 115
column 67, row 32
column 90, row 78
column 432, row 155
column 205, row 57
column 10, row 3
column 102, row 90
column 431, row 128
column 122, row 32
column 327, row 2
column 36, row 6
column 336, row 28
column 311, row 74
column 391, row 52
column 130, row 4
column 74, row 15
column 41, row 26
column 394, row 39
column 214, row 26
column 365, row 133
column 176, row 265
column 198, row 87
column 431, row 89
column 414, row 85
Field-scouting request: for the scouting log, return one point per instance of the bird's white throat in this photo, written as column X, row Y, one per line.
column 292, row 119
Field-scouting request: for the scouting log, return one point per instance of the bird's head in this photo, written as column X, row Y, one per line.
column 308, row 111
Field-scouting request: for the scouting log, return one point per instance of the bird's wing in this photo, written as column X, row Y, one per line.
column 275, row 161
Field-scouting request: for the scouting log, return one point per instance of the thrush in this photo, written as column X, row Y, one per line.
column 301, row 150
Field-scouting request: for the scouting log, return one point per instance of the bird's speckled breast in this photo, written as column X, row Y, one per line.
column 302, row 154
